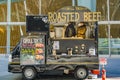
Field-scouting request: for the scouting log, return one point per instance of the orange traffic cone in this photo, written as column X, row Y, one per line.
column 103, row 74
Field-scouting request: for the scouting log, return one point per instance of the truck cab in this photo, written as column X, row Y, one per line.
column 14, row 59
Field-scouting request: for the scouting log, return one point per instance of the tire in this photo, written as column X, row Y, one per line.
column 29, row 73
column 81, row 73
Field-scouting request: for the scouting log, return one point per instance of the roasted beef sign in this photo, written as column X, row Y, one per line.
column 73, row 14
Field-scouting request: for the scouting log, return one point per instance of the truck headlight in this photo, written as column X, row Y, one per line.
column 92, row 51
column 10, row 58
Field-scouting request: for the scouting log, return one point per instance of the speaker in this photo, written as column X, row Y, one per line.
column 37, row 23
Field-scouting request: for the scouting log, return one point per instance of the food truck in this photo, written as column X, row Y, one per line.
column 65, row 41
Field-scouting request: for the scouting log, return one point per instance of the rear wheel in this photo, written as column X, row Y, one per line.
column 29, row 73
column 81, row 73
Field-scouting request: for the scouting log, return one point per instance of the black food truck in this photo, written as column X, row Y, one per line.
column 65, row 41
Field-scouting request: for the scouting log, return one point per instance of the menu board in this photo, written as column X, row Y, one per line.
column 32, row 50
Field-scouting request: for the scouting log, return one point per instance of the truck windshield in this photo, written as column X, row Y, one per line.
column 16, row 47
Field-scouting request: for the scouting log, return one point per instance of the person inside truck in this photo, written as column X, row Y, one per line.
column 70, row 30
column 81, row 30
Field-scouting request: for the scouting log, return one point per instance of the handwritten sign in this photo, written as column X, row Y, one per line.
column 32, row 50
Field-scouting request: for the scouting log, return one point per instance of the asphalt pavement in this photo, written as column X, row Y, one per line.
column 112, row 68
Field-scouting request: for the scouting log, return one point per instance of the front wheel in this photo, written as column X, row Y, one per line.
column 81, row 73
column 29, row 73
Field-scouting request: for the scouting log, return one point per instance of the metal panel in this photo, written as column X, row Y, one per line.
column 64, row 44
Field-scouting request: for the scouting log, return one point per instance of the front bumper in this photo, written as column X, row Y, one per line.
column 14, row 68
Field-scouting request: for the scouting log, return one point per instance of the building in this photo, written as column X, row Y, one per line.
column 13, row 12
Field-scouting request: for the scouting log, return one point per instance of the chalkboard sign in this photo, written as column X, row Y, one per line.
column 32, row 50
column 37, row 23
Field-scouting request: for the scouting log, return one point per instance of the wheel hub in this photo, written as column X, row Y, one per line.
column 29, row 73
